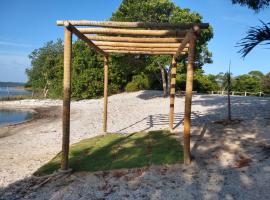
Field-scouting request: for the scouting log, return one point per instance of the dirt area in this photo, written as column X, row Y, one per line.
column 229, row 162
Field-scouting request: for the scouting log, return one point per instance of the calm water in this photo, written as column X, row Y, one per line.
column 14, row 116
column 9, row 91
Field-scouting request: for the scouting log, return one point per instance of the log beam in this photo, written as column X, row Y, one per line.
column 143, row 45
column 66, row 98
column 156, row 49
column 140, row 52
column 133, row 39
column 105, row 111
column 172, row 93
column 115, row 24
column 194, row 31
column 114, row 31
column 188, row 98
column 84, row 38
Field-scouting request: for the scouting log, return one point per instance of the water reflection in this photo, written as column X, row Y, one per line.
column 14, row 116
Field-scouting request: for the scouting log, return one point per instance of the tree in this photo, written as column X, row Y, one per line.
column 130, row 72
column 46, row 65
column 163, row 11
column 251, row 82
column 253, row 4
column 266, row 83
column 255, row 36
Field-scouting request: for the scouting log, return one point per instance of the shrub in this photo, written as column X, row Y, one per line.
column 139, row 82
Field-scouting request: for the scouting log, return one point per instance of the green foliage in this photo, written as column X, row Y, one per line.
column 247, row 83
column 266, row 83
column 255, row 36
column 139, row 82
column 162, row 11
column 116, row 151
column 46, row 67
column 253, row 4
column 202, row 83
column 130, row 72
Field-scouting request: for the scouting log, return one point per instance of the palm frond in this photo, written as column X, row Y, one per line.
column 255, row 35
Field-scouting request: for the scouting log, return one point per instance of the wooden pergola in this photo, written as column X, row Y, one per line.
column 148, row 38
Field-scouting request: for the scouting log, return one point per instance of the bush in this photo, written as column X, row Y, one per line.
column 139, row 82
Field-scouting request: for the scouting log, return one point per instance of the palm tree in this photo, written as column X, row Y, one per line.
column 255, row 35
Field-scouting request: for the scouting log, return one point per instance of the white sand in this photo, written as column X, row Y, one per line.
column 218, row 150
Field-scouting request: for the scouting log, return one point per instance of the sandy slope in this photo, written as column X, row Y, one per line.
column 221, row 153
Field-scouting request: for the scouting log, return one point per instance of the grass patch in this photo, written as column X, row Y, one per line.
column 116, row 151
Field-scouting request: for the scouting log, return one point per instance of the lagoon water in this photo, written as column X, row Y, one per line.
column 9, row 91
column 13, row 116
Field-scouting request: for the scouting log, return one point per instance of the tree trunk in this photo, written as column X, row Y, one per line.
column 164, row 83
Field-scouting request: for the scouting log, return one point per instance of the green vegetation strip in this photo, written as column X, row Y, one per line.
column 116, row 151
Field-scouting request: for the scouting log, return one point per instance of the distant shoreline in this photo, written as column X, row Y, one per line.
column 12, row 84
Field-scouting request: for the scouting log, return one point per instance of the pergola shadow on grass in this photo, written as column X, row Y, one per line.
column 148, row 38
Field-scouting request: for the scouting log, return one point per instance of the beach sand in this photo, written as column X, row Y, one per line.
column 229, row 162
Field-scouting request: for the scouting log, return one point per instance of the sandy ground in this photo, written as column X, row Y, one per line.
column 230, row 162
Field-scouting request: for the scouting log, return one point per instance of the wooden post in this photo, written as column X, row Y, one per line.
column 172, row 93
column 105, row 111
column 188, row 98
column 66, row 98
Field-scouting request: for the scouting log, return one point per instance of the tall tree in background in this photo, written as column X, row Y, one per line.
column 46, row 66
column 163, row 11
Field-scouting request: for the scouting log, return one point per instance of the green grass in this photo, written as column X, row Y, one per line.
column 117, row 151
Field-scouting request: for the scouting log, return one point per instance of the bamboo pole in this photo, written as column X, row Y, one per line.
column 116, row 24
column 84, row 38
column 140, row 52
column 172, row 93
column 158, row 49
column 105, row 111
column 144, row 45
column 66, row 98
column 188, row 98
column 133, row 39
column 114, row 31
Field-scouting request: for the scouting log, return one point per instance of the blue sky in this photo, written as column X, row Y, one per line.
column 29, row 24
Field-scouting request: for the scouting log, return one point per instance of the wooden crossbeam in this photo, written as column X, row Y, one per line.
column 114, row 31
column 133, row 39
column 130, row 44
column 141, row 52
column 182, row 46
column 84, row 38
column 115, row 24
column 140, row 49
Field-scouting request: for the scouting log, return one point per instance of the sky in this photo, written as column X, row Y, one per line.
column 29, row 24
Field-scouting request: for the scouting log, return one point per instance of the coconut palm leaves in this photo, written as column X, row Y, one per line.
column 255, row 35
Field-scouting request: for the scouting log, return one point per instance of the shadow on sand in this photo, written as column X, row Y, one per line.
column 218, row 170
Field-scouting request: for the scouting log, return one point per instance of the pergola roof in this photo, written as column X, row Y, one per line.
column 134, row 37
